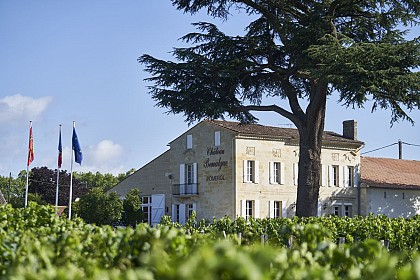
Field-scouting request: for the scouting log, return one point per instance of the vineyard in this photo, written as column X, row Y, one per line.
column 37, row 244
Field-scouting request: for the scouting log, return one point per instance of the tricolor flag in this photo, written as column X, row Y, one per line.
column 78, row 156
column 31, row 146
column 60, row 150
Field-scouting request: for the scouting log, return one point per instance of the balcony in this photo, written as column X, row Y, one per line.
column 185, row 189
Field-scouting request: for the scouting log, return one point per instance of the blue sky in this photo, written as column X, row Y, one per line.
column 65, row 61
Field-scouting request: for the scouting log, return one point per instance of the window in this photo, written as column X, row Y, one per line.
column 249, row 210
column 277, row 209
column 343, row 210
column 187, row 179
column 347, row 210
column 276, row 173
column 189, row 169
column 217, row 138
column 337, row 210
column 251, row 171
column 333, row 176
column 189, row 141
column 350, row 176
column 295, row 173
column 176, row 214
column 190, row 208
column 146, row 208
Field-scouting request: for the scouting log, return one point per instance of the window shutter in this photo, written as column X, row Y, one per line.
column 217, row 138
column 330, row 176
column 323, row 177
column 271, row 209
column 271, row 169
column 281, row 173
column 245, row 171
column 319, row 209
column 182, row 178
column 356, row 175
column 189, row 141
column 173, row 213
column 257, row 173
column 256, row 209
column 182, row 214
column 158, row 208
column 243, row 208
column 340, row 176
column 346, row 176
column 194, row 187
column 283, row 209
column 295, row 173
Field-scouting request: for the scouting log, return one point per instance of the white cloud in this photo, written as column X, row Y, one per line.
column 106, row 151
column 18, row 107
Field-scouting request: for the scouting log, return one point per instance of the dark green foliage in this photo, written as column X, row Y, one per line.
column 37, row 244
column 99, row 207
column 132, row 214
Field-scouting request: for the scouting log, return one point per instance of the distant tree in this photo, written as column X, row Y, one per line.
column 98, row 180
column 298, row 51
column 15, row 195
column 99, row 207
column 42, row 180
column 132, row 214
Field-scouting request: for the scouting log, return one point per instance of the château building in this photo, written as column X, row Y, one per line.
column 222, row 168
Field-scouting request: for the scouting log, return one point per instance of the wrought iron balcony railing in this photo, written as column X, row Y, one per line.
column 185, row 189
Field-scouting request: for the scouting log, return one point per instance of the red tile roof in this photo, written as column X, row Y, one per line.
column 291, row 133
column 390, row 173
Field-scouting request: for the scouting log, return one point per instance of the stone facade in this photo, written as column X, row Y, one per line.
column 220, row 168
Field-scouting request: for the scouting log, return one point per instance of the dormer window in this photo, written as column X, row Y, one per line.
column 189, row 141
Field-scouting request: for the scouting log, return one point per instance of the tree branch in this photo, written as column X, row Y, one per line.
column 270, row 108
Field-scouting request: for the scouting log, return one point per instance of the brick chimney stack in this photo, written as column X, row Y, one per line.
column 350, row 129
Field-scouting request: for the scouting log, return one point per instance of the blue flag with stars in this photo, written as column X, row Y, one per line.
column 78, row 156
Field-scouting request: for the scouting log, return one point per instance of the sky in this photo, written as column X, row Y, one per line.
column 65, row 61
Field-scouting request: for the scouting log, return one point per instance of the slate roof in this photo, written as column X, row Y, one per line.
column 281, row 132
column 390, row 173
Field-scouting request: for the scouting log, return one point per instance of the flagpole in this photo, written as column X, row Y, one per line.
column 27, row 185
column 30, row 159
column 58, row 169
column 71, row 175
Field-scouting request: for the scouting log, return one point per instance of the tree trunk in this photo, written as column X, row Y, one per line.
column 310, row 135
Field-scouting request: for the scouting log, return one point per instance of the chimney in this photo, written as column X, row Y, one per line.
column 350, row 129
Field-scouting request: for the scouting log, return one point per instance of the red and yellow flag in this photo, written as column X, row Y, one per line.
column 31, row 146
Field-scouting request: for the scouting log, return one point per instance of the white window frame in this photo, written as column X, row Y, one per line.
column 251, row 172
column 349, row 176
column 146, row 208
column 178, row 213
column 189, row 208
column 295, row 173
column 217, row 138
column 276, row 172
column 334, row 176
column 342, row 209
column 323, row 176
column 188, row 178
column 189, row 141
column 250, row 208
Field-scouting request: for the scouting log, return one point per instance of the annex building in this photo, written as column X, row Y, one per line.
column 390, row 187
column 222, row 168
